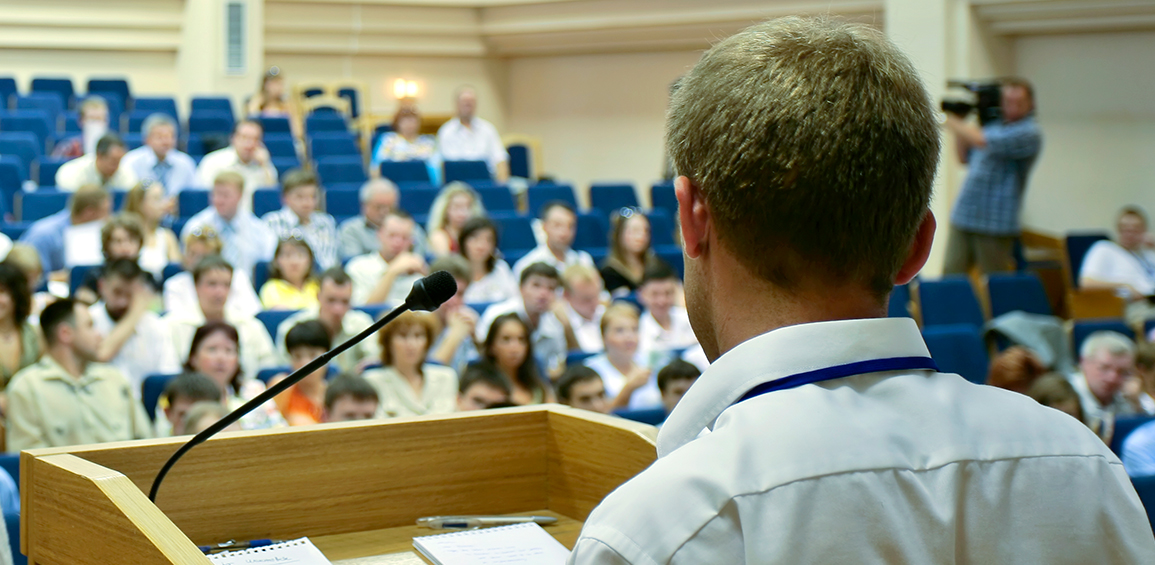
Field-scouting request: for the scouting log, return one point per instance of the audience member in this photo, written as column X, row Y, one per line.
column 509, row 350
column 180, row 293
column 456, row 204
column 454, row 346
column 1015, row 369
column 66, row 398
column 134, row 339
column 25, row 258
column 1126, row 266
column 88, row 204
column 160, row 247
column 20, row 342
column 303, row 403
column 538, row 306
column 101, row 168
column 1145, row 375
column 583, row 306
column 1106, row 360
column 1138, row 453
column 212, row 278
column 291, row 284
column 158, row 160
column 481, row 387
column 629, row 384
column 93, row 118
column 1055, row 391
column 121, row 237
column 215, row 350
column 491, row 279
column 349, row 398
column 202, row 415
column 630, row 252
column 674, row 380
column 334, row 295
column 407, row 385
column 664, row 326
column 582, row 387
column 271, row 102
column 299, row 216
column 469, row 138
column 405, row 142
column 181, row 393
column 246, row 156
column 559, row 222
column 246, row 240
column 999, row 156
column 358, row 235
column 387, row 275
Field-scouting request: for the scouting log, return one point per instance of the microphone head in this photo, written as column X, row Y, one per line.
column 432, row 291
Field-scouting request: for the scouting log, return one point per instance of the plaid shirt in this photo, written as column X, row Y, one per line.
column 993, row 192
column 320, row 234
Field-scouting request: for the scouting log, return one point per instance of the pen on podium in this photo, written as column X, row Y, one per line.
column 470, row 522
column 235, row 545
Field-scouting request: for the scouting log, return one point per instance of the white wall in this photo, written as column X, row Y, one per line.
column 1097, row 112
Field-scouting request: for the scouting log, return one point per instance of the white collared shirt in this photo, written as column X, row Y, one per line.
column 180, row 294
column 255, row 175
column 148, row 352
column 245, row 239
column 366, row 271
column 897, row 467
column 656, row 342
column 1108, row 261
column 542, row 254
column 478, row 142
column 587, row 332
column 179, row 175
column 1094, row 412
column 645, row 397
column 81, row 171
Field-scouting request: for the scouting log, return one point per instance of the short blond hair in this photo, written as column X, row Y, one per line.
column 579, row 273
column 231, row 178
column 86, row 198
column 619, row 311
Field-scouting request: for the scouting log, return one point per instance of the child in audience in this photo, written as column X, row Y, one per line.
column 302, row 404
column 629, row 384
column 455, row 205
column 674, row 380
column 215, row 352
column 582, row 387
column 349, row 397
column 204, row 414
column 482, row 387
column 180, row 394
column 664, row 326
column 407, row 385
column 291, row 284
column 508, row 349
column 1054, row 390
column 493, row 280
column 630, row 252
column 160, row 247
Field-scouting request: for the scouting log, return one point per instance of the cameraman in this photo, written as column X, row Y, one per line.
column 985, row 219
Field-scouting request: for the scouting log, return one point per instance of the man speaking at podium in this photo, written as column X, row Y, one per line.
column 822, row 432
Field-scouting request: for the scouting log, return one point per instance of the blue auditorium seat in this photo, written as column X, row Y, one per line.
column 7, row 91
column 210, row 122
column 22, row 145
column 62, row 87
column 12, row 523
column 219, row 104
column 266, row 200
column 115, row 106
column 949, row 300
column 417, row 201
column 103, row 86
column 519, row 161
column 465, row 171
column 497, row 198
column 608, row 197
column 285, row 164
column 1082, row 329
column 272, row 319
column 1077, row 245
column 959, row 348
column 341, row 170
column 516, row 234
column 13, row 173
column 1017, row 291
column 405, row 171
column 41, row 204
column 77, row 275
column 333, row 144
column 194, row 145
column 275, row 124
column 280, row 145
column 325, row 122
column 266, row 375
column 899, row 305
column 651, row 416
column 192, row 200
column 35, row 122
column 1124, row 425
column 354, row 98
column 542, row 193
column 131, row 122
column 161, row 104
column 46, row 102
column 662, row 227
column 592, row 231
column 151, row 390
column 171, row 269
column 1145, row 488
column 662, row 196
column 10, row 462
column 341, row 203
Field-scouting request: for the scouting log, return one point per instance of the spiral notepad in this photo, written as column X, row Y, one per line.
column 518, row 544
column 296, row 552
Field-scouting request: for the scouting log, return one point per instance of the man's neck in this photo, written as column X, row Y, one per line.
column 241, row 157
column 213, row 315
column 623, row 362
column 466, row 121
column 227, row 219
column 68, row 360
column 662, row 317
column 160, row 156
column 558, row 252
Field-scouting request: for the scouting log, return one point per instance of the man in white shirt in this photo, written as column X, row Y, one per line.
column 664, row 326
column 244, row 237
column 822, row 432
column 1106, row 363
column 158, row 159
column 387, row 275
column 180, row 292
column 246, row 155
column 299, row 192
column 470, row 138
column 101, row 168
column 583, row 306
column 540, row 307
column 334, row 297
column 1127, row 267
column 559, row 222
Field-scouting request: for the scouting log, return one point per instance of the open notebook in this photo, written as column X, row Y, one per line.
column 518, row 544
column 297, row 552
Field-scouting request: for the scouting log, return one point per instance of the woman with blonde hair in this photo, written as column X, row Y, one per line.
column 180, row 293
column 456, row 204
column 628, row 383
column 407, row 385
column 160, row 247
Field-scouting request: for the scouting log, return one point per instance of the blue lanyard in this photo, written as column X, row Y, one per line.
column 840, row 371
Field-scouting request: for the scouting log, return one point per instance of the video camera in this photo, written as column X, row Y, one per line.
column 985, row 97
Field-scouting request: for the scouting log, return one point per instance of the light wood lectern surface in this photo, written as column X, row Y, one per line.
column 355, row 489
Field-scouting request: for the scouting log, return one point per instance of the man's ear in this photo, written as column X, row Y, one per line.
column 919, row 250
column 693, row 215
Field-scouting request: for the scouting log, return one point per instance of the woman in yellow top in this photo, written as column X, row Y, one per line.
column 291, row 284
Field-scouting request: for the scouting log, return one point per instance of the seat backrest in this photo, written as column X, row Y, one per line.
column 62, row 87
column 151, row 389
column 153, row 104
column 466, row 171
column 333, row 144
column 192, row 200
column 516, row 234
column 285, row 164
column 497, row 198
column 41, row 204
column 36, row 122
column 7, row 91
column 22, row 144
column 12, row 177
column 1145, row 488
column 341, row 170
column 1017, row 291
column 1082, row 329
column 116, row 86
column 342, row 202
column 519, row 160
column 219, row 104
column 958, row 348
column 651, row 416
column 539, row 195
column 325, row 122
column 46, row 176
column 171, row 270
column 405, row 171
column 662, row 196
column 280, row 145
column 211, row 122
column 1077, row 245
column 899, row 305
column 77, row 276
column 275, row 124
column 949, row 300
column 266, row 200
column 608, row 197
column 592, row 231
column 662, row 227
column 1123, row 428
column 417, row 201
column 272, row 319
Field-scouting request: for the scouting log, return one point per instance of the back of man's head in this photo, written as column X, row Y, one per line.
column 539, row 269
column 814, row 146
column 88, row 198
column 455, row 265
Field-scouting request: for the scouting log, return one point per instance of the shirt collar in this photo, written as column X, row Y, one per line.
column 781, row 353
column 58, row 373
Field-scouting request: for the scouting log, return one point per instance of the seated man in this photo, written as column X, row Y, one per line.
column 183, row 391
column 674, row 380
column 480, row 388
column 537, row 304
column 245, row 239
column 212, row 277
column 387, row 275
column 93, row 124
column 246, row 156
column 89, row 204
column 350, row 397
column 583, row 306
column 559, row 222
column 359, row 234
column 299, row 191
column 1127, row 267
column 469, row 138
column 341, row 322
column 1106, row 361
column 97, row 169
column 303, row 403
column 134, row 339
column 180, row 293
column 664, row 326
column 582, row 387
column 158, row 159
column 67, row 398
column 454, row 346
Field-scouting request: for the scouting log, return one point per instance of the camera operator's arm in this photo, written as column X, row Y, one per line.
column 966, row 133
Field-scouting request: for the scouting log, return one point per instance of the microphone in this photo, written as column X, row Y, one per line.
column 427, row 295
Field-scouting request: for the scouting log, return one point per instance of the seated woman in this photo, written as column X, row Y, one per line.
column 492, row 279
column 25, row 258
column 407, row 385
column 160, row 246
column 20, row 340
column 180, row 293
column 405, row 143
column 271, row 101
column 304, row 402
column 120, row 238
column 628, row 383
column 455, row 205
column 630, row 252
column 509, row 349
column 291, row 284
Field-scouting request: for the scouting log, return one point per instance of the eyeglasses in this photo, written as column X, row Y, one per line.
column 294, row 235
column 204, row 232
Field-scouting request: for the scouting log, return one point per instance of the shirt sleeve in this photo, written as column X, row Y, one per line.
column 593, row 551
column 362, row 283
column 25, row 428
column 1018, row 140
column 66, row 177
column 1097, row 263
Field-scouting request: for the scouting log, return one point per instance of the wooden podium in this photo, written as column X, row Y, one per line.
column 354, row 488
